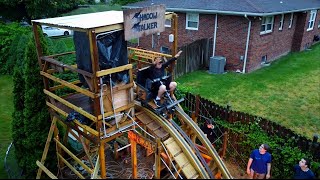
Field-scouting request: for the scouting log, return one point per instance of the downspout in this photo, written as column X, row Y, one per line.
column 247, row 45
column 215, row 35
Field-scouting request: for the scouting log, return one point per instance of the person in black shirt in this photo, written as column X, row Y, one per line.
column 302, row 171
column 157, row 70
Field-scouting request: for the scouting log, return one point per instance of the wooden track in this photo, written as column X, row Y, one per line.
column 181, row 153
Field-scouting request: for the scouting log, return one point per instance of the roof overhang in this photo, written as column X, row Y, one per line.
column 229, row 12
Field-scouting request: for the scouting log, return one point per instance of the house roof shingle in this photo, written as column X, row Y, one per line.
column 240, row 7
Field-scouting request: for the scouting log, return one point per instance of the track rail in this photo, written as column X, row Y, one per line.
column 185, row 143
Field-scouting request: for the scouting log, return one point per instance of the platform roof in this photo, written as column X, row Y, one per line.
column 85, row 21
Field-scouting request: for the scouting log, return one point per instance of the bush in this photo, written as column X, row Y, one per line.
column 10, row 42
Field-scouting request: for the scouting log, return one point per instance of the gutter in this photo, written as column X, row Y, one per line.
column 215, row 35
column 228, row 12
column 247, row 46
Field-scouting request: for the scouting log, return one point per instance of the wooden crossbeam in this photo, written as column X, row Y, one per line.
column 69, row 85
column 43, row 168
column 46, row 148
column 70, row 105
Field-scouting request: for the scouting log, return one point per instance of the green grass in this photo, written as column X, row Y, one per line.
column 6, row 109
column 286, row 92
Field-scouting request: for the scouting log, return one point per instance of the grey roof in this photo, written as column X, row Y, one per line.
column 240, row 7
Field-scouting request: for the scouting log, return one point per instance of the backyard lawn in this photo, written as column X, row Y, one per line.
column 286, row 92
column 6, row 109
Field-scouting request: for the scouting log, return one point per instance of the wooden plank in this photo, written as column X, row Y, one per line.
column 85, row 127
column 54, row 88
column 189, row 171
column 69, row 85
column 173, row 148
column 123, row 108
column 145, row 119
column 46, row 148
column 161, row 133
column 58, row 63
column 61, row 54
column 96, row 169
column 76, row 108
column 153, row 126
column 113, row 70
column 73, row 156
column 40, row 165
column 182, row 160
column 71, row 167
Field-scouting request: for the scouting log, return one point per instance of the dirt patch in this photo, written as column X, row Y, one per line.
column 236, row 171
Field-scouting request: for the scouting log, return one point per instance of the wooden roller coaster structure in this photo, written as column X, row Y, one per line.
column 122, row 110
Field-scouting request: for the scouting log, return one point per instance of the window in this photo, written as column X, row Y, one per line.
column 167, row 23
column 267, row 24
column 281, row 22
column 291, row 20
column 192, row 21
column 264, row 59
column 312, row 20
column 164, row 50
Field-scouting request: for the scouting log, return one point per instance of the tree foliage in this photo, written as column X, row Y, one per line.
column 31, row 120
column 124, row 2
column 9, row 41
column 34, row 9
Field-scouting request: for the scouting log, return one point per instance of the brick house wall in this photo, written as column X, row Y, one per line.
column 185, row 36
column 231, row 40
column 272, row 45
column 308, row 36
column 232, row 36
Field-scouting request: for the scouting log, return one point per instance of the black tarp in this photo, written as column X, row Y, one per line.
column 112, row 50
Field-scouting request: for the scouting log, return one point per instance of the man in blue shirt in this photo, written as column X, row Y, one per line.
column 259, row 164
column 302, row 171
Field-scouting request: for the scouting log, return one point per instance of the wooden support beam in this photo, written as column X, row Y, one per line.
column 73, row 156
column 46, row 148
column 102, row 159
column 134, row 159
column 61, row 54
column 58, row 63
column 70, row 166
column 85, row 127
column 69, row 85
column 41, row 166
column 70, row 105
column 157, row 160
column 114, row 70
column 94, row 175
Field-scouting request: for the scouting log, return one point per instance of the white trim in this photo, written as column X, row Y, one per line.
column 313, row 14
column 197, row 21
column 267, row 31
column 281, row 22
column 291, row 20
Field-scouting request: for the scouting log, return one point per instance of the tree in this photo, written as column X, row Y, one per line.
column 31, row 116
column 34, row 9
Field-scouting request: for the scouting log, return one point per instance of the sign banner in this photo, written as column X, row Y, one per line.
column 143, row 21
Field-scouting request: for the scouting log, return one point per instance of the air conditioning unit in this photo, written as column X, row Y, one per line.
column 217, row 64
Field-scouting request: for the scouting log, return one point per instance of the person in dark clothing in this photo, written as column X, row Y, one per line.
column 157, row 70
column 302, row 171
